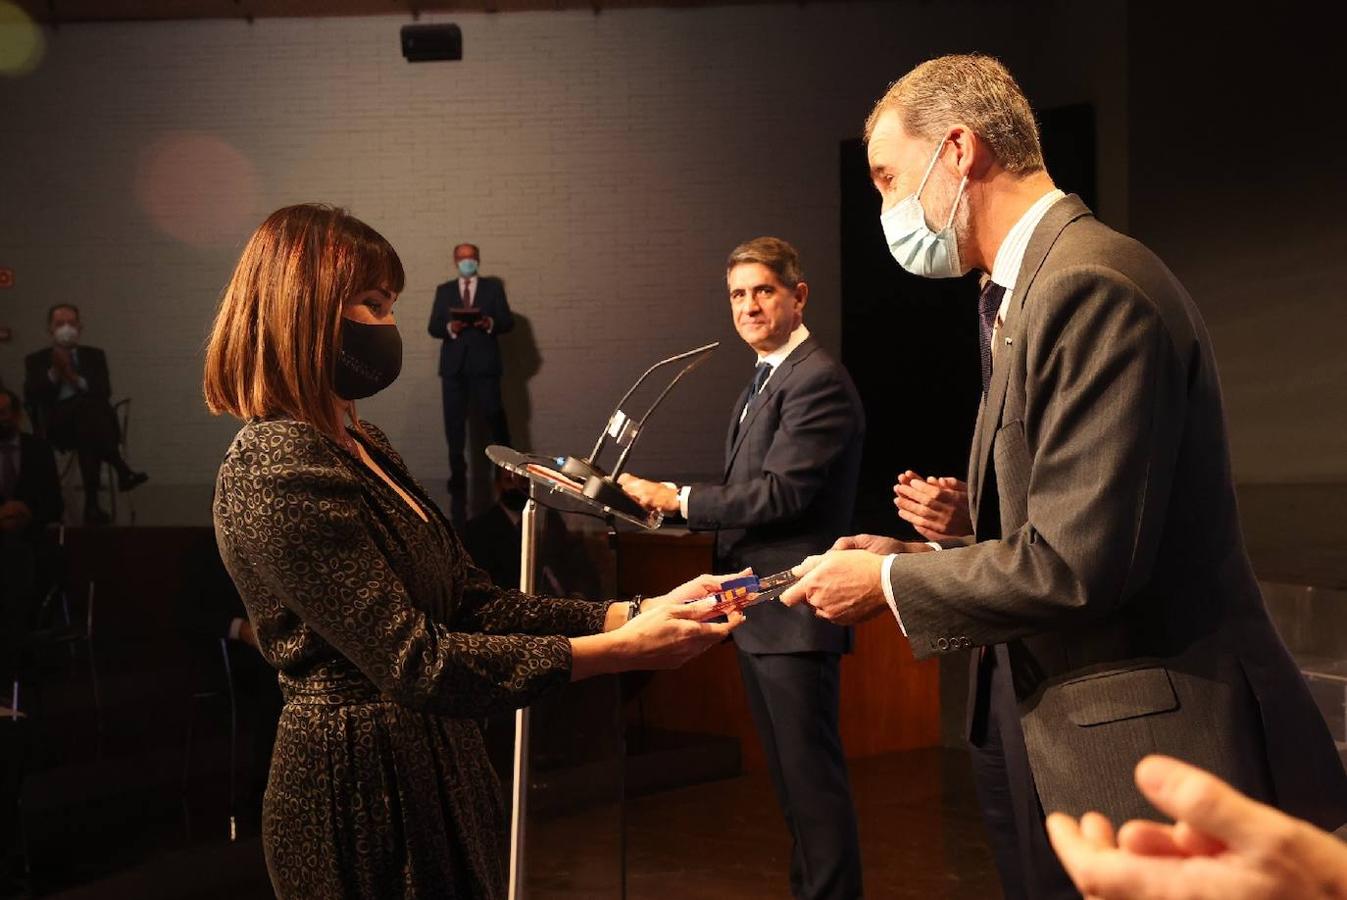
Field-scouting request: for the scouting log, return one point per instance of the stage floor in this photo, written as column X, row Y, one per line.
column 920, row 838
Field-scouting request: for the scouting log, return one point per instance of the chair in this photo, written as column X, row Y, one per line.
column 66, row 462
column 208, row 687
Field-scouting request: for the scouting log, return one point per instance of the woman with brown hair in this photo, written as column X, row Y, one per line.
column 388, row 640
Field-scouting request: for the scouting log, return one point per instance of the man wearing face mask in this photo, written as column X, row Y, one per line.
column 468, row 314
column 66, row 388
column 792, row 458
column 1107, row 595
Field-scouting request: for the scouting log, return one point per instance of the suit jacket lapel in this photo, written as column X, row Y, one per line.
column 736, row 427
column 773, row 384
column 1059, row 215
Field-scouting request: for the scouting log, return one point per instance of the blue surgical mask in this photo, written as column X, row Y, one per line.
column 467, row 267
column 913, row 244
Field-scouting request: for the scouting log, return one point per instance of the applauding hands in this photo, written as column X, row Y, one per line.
column 1222, row 846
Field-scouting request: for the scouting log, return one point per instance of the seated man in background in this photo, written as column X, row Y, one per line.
column 30, row 490
column 792, row 457
column 30, row 500
column 67, row 389
column 1222, row 846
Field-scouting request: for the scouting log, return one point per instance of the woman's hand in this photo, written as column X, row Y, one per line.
column 696, row 589
column 671, row 634
column 661, row 638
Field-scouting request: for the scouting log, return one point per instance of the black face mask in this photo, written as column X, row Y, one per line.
column 369, row 359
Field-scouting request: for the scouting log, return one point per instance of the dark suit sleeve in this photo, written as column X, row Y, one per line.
column 93, row 368
column 1096, row 449
column 818, row 420
column 439, row 312
column 503, row 321
column 39, row 391
column 495, row 610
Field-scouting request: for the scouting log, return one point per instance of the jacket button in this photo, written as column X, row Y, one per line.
column 942, row 644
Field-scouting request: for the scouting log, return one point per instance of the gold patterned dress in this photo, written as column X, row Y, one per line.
column 389, row 642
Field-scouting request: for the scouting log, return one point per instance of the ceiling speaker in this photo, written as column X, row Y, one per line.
column 425, row 43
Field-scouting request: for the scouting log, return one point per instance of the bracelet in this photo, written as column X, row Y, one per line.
column 634, row 607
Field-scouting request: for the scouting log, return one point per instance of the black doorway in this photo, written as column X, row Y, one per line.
column 910, row 343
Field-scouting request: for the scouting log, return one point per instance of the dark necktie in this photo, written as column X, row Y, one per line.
column 467, row 293
column 989, row 304
column 759, row 379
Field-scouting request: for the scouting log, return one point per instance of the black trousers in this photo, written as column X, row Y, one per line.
column 457, row 392
column 1006, row 791
column 794, row 700
column 88, row 426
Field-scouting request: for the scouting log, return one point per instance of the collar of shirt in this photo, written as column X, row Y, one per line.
column 1006, row 268
column 778, row 356
column 468, row 281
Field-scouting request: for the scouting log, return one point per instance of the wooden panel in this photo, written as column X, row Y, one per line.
column 889, row 700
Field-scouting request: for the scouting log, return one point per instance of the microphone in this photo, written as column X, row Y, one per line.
column 602, row 486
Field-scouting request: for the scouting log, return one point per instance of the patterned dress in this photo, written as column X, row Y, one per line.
column 389, row 641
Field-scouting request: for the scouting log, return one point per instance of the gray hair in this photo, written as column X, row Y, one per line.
column 968, row 89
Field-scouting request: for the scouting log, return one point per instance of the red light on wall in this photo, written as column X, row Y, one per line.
column 6, row 277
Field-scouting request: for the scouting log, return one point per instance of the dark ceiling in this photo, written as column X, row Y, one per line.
column 58, row 11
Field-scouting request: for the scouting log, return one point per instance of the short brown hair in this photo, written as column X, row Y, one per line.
column 772, row 252
column 968, row 89
column 273, row 345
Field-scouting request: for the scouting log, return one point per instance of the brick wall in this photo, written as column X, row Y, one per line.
column 604, row 162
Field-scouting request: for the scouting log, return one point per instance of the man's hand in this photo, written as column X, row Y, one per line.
column 456, row 326
column 483, row 322
column 936, row 507
column 1222, row 846
column 650, row 494
column 15, row 516
column 842, row 586
column 247, row 635
column 878, row 543
column 64, row 365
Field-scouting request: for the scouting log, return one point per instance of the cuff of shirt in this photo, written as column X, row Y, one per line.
column 886, row 582
column 235, row 628
column 683, row 494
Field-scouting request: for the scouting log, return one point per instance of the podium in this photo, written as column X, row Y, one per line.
column 565, row 494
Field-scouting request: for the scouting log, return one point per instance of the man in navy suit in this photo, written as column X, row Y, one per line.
column 792, row 456
column 468, row 314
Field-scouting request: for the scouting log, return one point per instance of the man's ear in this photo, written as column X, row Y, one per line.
column 971, row 157
column 801, row 296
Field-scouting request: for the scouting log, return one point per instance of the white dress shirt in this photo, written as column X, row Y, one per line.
column 1005, row 272
column 773, row 359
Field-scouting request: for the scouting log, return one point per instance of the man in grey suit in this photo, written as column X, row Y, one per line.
column 1108, row 595
column 792, row 456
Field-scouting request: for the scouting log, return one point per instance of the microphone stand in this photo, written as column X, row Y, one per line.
column 602, row 486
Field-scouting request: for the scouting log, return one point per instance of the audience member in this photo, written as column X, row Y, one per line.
column 67, row 389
